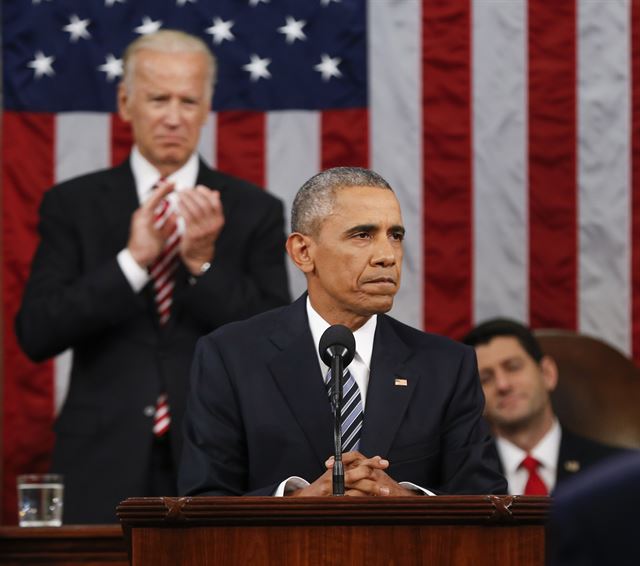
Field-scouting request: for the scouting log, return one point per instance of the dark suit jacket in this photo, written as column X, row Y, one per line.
column 258, row 411
column 594, row 521
column 78, row 297
column 577, row 453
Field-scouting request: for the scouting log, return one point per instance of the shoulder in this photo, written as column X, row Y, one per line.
column 427, row 343
column 83, row 186
column 587, row 447
column 233, row 187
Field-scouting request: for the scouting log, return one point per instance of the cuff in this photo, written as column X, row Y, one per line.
column 413, row 487
column 137, row 276
column 289, row 485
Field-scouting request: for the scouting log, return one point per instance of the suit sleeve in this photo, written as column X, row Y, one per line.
column 65, row 301
column 469, row 464
column 234, row 290
column 214, row 457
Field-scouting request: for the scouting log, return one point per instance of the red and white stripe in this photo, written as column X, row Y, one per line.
column 162, row 416
column 509, row 130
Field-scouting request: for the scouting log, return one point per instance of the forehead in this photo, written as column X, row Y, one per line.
column 366, row 205
column 176, row 70
column 499, row 349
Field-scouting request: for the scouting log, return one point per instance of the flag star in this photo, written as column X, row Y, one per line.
column 148, row 26
column 220, row 30
column 183, row 2
column 327, row 2
column 112, row 66
column 293, row 29
column 77, row 28
column 256, row 2
column 258, row 68
column 112, row 2
column 328, row 67
column 42, row 65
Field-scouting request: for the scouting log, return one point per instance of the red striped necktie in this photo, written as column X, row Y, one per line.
column 162, row 272
column 535, row 485
column 163, row 269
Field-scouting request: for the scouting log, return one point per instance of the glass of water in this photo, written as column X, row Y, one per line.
column 40, row 500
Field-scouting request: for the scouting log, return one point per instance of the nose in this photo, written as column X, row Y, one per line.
column 384, row 253
column 502, row 381
column 172, row 113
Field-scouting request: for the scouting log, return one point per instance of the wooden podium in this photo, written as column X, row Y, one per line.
column 456, row 530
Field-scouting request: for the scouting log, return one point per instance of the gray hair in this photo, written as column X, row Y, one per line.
column 316, row 198
column 168, row 41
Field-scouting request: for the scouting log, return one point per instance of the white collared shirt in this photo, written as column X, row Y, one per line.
column 360, row 367
column 546, row 452
column 146, row 176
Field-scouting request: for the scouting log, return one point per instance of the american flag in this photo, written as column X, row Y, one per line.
column 508, row 128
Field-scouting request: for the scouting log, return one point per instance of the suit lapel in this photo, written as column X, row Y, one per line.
column 297, row 374
column 391, row 386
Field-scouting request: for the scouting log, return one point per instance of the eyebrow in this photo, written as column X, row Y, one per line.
column 373, row 227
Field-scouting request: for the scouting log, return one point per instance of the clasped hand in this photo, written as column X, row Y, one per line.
column 203, row 216
column 362, row 476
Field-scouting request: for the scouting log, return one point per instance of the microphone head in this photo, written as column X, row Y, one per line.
column 337, row 340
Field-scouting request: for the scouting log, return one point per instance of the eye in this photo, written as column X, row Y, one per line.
column 362, row 235
column 397, row 236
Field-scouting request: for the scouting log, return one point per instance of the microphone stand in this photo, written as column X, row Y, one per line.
column 336, row 394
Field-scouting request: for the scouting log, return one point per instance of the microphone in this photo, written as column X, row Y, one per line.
column 337, row 348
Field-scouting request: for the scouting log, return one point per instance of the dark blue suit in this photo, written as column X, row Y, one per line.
column 258, row 411
column 595, row 516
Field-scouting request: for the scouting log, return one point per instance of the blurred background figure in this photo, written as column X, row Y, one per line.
column 594, row 516
column 536, row 452
column 135, row 263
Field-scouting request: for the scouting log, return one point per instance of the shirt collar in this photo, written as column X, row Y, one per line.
column 546, row 451
column 364, row 335
column 146, row 175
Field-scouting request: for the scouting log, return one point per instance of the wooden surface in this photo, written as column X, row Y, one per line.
column 598, row 392
column 76, row 545
column 473, row 530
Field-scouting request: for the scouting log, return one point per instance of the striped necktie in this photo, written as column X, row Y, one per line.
column 163, row 269
column 352, row 414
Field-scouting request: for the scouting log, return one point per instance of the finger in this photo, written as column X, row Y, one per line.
column 163, row 189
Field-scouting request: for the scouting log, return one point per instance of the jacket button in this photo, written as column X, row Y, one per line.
column 149, row 411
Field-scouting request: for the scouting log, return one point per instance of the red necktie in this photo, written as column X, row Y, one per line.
column 535, row 485
column 162, row 272
column 162, row 417
column 163, row 269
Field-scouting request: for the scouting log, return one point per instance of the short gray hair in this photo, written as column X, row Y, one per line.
column 168, row 41
column 316, row 198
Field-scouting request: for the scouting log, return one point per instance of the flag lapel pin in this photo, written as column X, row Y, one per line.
column 400, row 382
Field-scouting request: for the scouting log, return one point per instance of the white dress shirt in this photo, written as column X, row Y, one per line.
column 546, row 452
column 359, row 368
column 146, row 176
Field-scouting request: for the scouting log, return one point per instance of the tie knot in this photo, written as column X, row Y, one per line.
column 530, row 463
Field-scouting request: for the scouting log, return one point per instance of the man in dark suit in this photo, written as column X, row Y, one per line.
column 594, row 518
column 258, row 417
column 135, row 264
column 535, row 451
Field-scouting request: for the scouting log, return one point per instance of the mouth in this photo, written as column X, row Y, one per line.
column 382, row 282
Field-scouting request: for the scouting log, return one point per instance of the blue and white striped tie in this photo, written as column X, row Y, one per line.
column 352, row 413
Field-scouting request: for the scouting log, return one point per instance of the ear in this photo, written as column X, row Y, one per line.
column 123, row 103
column 549, row 372
column 300, row 250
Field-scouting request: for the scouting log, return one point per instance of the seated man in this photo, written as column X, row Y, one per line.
column 258, row 419
column 535, row 451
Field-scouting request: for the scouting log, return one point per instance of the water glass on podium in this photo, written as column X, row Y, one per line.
column 40, row 500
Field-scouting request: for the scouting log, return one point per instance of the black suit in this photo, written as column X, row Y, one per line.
column 77, row 296
column 594, row 521
column 578, row 453
column 258, row 411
